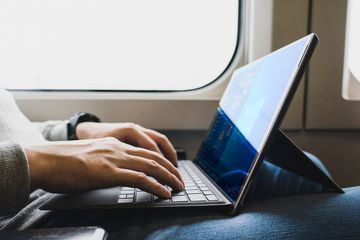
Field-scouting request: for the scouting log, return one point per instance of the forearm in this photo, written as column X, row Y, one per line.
column 14, row 177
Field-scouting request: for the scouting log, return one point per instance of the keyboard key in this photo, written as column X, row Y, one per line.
column 178, row 194
column 190, row 184
column 130, row 196
column 179, row 199
column 211, row 197
column 127, row 192
column 204, row 188
column 207, row 193
column 125, row 200
column 197, row 197
column 122, row 196
column 143, row 197
column 201, row 185
column 127, row 188
column 161, row 200
column 192, row 191
column 191, row 188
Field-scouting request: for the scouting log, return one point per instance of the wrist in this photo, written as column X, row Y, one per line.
column 83, row 130
column 36, row 167
column 77, row 119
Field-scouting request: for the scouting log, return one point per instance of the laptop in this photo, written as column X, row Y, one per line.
column 246, row 121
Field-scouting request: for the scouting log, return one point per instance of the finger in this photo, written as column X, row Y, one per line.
column 130, row 178
column 165, row 145
column 138, row 137
column 158, row 158
column 153, row 169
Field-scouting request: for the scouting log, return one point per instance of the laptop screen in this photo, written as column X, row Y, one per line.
column 246, row 115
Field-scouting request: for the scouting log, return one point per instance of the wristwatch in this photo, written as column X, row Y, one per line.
column 79, row 117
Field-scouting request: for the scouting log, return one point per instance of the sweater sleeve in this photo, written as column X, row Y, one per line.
column 14, row 177
column 53, row 130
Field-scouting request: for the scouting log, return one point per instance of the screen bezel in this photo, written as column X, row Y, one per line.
column 279, row 115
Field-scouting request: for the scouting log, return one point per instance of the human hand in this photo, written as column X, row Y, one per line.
column 129, row 133
column 67, row 167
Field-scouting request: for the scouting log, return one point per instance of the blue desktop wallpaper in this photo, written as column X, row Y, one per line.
column 225, row 155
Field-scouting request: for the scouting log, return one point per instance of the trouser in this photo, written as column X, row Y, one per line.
column 280, row 205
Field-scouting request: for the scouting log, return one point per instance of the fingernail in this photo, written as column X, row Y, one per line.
column 168, row 193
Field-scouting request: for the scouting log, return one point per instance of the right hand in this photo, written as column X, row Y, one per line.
column 75, row 166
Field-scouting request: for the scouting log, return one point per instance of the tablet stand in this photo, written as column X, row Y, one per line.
column 285, row 154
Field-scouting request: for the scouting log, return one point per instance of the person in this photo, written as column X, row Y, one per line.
column 106, row 155
column 36, row 160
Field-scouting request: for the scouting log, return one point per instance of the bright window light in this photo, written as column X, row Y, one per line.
column 115, row 44
column 351, row 73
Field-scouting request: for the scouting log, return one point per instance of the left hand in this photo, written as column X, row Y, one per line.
column 129, row 133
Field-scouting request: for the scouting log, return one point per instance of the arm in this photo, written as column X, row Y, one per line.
column 126, row 132
column 14, row 177
column 103, row 161
column 74, row 166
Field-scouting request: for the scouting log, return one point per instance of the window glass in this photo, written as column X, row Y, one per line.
column 354, row 39
column 115, row 44
column 351, row 71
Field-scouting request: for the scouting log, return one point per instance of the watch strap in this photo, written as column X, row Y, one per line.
column 78, row 118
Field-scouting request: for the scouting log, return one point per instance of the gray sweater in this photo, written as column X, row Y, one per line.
column 19, row 207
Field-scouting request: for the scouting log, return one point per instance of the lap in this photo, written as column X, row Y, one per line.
column 267, row 214
column 309, row 216
column 314, row 216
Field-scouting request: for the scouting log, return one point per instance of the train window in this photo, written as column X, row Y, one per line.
column 351, row 71
column 117, row 45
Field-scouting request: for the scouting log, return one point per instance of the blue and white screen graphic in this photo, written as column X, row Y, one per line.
column 246, row 114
